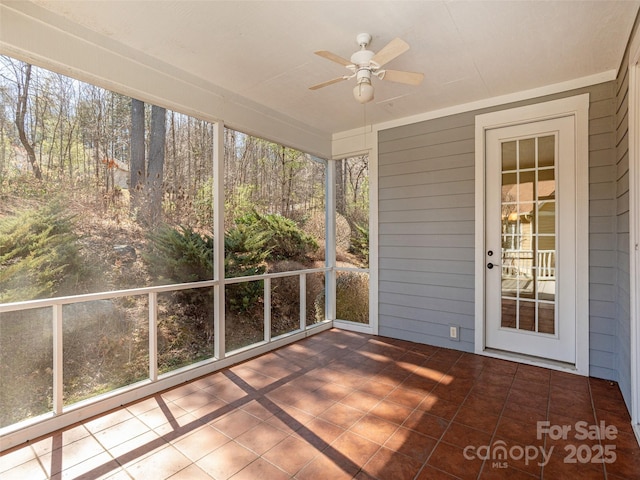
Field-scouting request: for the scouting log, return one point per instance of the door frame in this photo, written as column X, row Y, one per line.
column 577, row 107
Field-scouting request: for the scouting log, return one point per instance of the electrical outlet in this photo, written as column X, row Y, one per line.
column 453, row 332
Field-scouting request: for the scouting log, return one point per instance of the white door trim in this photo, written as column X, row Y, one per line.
column 578, row 107
column 634, row 228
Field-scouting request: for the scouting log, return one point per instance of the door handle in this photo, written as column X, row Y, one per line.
column 491, row 265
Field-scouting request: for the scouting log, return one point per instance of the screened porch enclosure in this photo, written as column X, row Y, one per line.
column 115, row 285
column 72, row 340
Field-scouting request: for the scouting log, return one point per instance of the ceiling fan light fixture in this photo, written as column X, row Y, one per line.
column 363, row 91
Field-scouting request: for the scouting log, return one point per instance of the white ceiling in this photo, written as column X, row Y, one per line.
column 263, row 50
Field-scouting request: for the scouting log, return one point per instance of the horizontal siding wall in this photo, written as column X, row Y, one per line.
column 426, row 231
column 602, row 228
column 623, row 297
column 426, row 228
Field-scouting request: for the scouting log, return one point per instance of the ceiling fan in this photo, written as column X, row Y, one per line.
column 365, row 64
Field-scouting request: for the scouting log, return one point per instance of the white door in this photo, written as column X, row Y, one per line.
column 530, row 261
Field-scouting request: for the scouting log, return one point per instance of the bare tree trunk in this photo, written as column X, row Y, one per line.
column 341, row 194
column 3, row 148
column 72, row 133
column 137, row 170
column 283, row 183
column 174, row 157
column 156, row 163
column 21, row 110
column 97, row 143
column 190, row 187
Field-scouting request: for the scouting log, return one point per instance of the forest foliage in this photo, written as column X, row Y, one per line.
column 102, row 192
column 39, row 254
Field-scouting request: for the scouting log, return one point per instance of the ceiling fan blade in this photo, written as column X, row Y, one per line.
column 327, row 83
column 410, row 78
column 391, row 50
column 333, row 57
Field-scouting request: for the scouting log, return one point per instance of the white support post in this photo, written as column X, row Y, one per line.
column 218, row 235
column 373, row 234
column 267, row 309
column 303, row 301
column 330, row 242
column 153, row 336
column 58, row 365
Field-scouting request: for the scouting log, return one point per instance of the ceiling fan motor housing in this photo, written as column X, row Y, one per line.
column 362, row 58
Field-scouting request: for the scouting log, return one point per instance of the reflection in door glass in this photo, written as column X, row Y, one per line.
column 509, row 156
column 527, row 153
column 546, row 314
column 508, row 313
column 546, row 151
column 528, row 205
column 527, row 316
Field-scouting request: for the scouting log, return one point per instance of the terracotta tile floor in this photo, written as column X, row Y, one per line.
column 346, row 405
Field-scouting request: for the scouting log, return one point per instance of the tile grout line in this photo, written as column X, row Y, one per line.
column 548, row 414
column 595, row 417
column 439, row 440
column 495, row 429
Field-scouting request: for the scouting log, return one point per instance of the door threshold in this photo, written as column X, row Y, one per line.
column 532, row 360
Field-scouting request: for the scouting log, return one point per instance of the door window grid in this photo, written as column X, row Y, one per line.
column 528, row 234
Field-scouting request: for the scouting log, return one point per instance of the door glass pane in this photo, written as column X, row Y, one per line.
column 529, row 235
column 510, row 239
column 547, row 218
column 546, row 184
column 509, row 156
column 546, row 151
column 546, row 289
column 546, row 320
column 525, row 192
column 527, row 153
column 509, row 278
column 527, row 316
column 522, row 264
column 546, row 267
column 509, row 187
column 525, row 286
column 508, row 314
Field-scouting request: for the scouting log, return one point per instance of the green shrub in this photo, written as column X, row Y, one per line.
column 352, row 298
column 245, row 255
column 39, row 254
column 179, row 255
column 281, row 237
